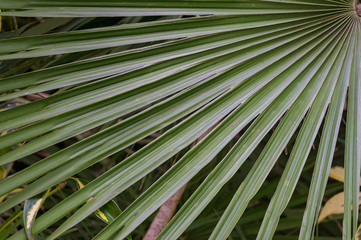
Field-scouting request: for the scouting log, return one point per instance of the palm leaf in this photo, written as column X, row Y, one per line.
column 234, row 67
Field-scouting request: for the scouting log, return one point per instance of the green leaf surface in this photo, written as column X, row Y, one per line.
column 117, row 91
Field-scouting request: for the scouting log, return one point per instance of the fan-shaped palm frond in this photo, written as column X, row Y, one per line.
column 224, row 68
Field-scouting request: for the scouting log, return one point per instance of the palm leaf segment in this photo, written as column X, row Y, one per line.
column 255, row 64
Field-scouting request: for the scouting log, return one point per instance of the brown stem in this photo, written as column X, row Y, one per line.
column 164, row 215
column 43, row 154
column 358, row 9
column 168, row 208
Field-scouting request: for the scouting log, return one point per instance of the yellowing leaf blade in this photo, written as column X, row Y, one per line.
column 338, row 174
column 334, row 205
column 108, row 212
